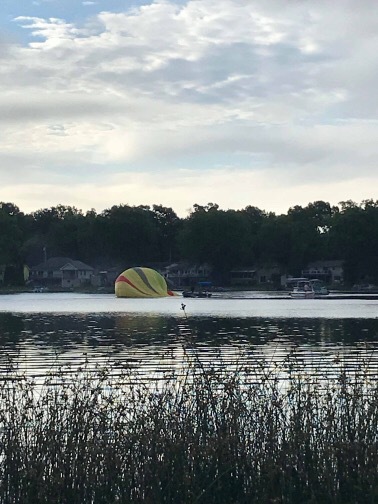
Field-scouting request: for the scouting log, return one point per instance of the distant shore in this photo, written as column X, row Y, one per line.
column 334, row 293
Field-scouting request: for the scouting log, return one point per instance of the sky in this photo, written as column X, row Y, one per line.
column 270, row 103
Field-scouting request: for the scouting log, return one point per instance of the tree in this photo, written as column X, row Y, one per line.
column 254, row 218
column 215, row 236
column 276, row 241
column 168, row 225
column 355, row 235
column 57, row 230
column 130, row 234
column 9, row 208
column 11, row 237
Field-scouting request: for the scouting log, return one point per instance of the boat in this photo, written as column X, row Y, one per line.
column 193, row 294
column 40, row 289
column 303, row 290
column 200, row 291
column 319, row 288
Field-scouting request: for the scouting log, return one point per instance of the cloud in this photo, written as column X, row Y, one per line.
column 246, row 87
column 181, row 189
column 41, row 2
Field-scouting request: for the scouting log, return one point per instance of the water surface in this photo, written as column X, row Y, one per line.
column 40, row 332
column 244, row 304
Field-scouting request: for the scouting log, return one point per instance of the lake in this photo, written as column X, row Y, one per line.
column 41, row 331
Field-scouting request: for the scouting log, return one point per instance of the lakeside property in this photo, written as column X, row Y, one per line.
column 336, row 244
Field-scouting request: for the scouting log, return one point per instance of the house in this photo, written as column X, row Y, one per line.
column 185, row 275
column 257, row 275
column 105, row 277
column 61, row 271
column 331, row 272
column 269, row 274
column 243, row 276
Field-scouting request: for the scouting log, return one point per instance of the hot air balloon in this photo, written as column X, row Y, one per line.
column 141, row 283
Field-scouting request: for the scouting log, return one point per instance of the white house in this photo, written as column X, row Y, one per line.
column 331, row 272
column 263, row 274
column 184, row 274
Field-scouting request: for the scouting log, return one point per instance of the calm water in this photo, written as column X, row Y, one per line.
column 41, row 331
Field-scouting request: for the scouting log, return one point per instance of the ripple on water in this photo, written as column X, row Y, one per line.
column 153, row 345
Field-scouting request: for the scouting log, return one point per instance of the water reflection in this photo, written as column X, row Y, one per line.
column 154, row 344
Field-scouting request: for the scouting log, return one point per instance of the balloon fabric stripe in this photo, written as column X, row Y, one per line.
column 143, row 277
column 123, row 279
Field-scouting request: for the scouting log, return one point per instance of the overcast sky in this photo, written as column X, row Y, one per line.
column 268, row 103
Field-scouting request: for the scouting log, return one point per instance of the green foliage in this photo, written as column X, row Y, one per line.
column 355, row 234
column 168, row 225
column 225, row 239
column 130, row 234
column 276, row 240
column 11, row 239
column 217, row 237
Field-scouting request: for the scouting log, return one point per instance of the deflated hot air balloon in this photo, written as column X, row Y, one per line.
column 141, row 283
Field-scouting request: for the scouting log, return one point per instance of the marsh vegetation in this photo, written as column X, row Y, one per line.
column 203, row 434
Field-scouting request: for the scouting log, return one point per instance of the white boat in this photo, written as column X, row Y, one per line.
column 303, row 290
column 40, row 289
column 319, row 288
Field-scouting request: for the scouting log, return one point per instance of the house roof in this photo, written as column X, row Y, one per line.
column 186, row 265
column 326, row 264
column 244, row 270
column 58, row 263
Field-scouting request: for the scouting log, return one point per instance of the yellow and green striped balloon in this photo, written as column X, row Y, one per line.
column 141, row 283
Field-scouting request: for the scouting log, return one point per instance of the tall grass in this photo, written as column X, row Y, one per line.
column 208, row 435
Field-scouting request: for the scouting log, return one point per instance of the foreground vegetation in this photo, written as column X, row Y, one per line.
column 200, row 435
column 124, row 236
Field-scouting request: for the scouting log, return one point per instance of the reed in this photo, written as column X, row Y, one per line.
column 201, row 435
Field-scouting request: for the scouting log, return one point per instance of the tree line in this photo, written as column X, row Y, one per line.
column 125, row 235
